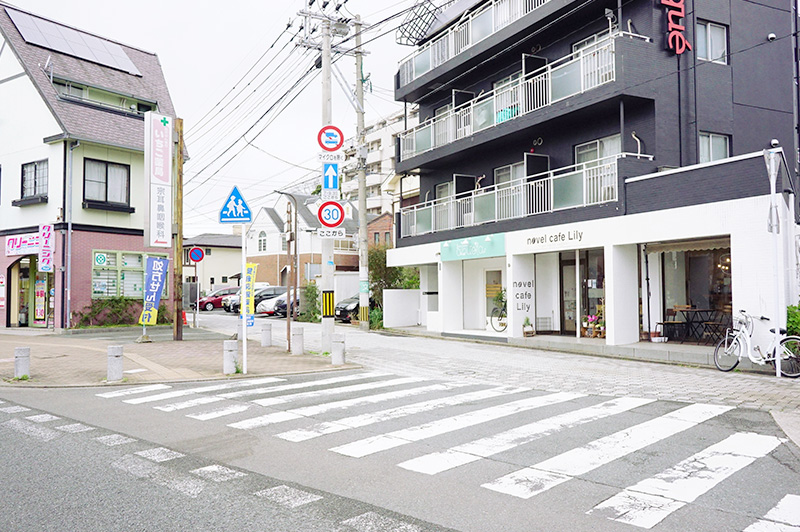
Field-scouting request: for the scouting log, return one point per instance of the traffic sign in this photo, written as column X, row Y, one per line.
column 330, row 138
column 235, row 209
column 330, row 176
column 331, row 214
column 196, row 254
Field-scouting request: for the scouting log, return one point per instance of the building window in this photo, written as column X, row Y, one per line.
column 444, row 190
column 504, row 175
column 34, row 179
column 284, row 245
column 345, row 245
column 598, row 149
column 208, row 251
column 593, row 40
column 377, row 238
column 106, row 183
column 66, row 88
column 262, row 241
column 224, row 279
column 120, row 274
column 713, row 147
column 387, row 238
column 212, row 281
column 712, row 42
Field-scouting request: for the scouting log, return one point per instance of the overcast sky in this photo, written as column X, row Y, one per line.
column 205, row 48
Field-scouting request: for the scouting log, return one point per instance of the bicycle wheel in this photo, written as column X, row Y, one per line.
column 790, row 356
column 498, row 319
column 727, row 352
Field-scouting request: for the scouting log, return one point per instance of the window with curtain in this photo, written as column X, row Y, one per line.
column 105, row 182
column 504, row 175
column 598, row 149
column 713, row 147
column 712, row 42
column 34, row 179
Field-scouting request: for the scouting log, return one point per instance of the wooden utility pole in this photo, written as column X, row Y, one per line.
column 177, row 238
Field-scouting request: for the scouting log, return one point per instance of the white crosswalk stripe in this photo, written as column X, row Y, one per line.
column 288, row 497
column 202, row 389
column 531, row 481
column 307, row 384
column 397, row 438
column 205, row 400
column 160, row 475
column 372, row 522
column 437, row 462
column 160, row 454
column 650, row 501
column 42, row 418
column 336, row 391
column 31, row 429
column 784, row 517
column 218, row 473
column 112, row 440
column 220, row 412
column 395, row 413
column 133, row 391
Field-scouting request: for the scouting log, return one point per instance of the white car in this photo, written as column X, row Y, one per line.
column 268, row 305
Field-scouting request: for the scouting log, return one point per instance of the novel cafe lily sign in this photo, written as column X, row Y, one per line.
column 676, row 39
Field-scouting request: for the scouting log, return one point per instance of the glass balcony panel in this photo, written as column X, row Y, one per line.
column 568, row 190
column 422, row 139
column 424, row 220
column 482, row 26
column 422, row 62
column 566, row 80
column 483, row 113
column 485, row 209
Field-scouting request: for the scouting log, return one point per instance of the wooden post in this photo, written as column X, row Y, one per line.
column 177, row 236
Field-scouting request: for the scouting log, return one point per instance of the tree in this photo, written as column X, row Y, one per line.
column 382, row 277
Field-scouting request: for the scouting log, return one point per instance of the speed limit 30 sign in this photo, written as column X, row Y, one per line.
column 331, row 214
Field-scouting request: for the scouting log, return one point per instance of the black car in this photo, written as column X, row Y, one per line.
column 280, row 305
column 260, row 295
column 347, row 309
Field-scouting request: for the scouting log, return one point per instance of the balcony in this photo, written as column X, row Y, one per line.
column 494, row 16
column 584, row 70
column 581, row 185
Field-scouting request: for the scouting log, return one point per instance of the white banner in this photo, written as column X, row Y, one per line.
column 27, row 244
column 47, row 248
column 158, row 155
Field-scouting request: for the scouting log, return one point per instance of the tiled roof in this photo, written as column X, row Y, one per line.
column 86, row 122
column 214, row 240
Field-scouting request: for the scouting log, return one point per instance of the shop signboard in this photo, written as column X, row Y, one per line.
column 47, row 248
column 155, row 277
column 477, row 247
column 158, row 154
column 27, row 244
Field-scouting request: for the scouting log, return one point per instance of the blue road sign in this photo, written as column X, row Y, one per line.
column 235, row 209
column 330, row 175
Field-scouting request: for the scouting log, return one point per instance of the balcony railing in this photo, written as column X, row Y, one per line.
column 494, row 16
column 576, row 73
column 580, row 185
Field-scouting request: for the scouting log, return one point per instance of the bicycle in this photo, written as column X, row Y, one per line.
column 499, row 319
column 737, row 343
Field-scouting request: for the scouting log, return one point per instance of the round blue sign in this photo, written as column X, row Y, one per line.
column 196, row 254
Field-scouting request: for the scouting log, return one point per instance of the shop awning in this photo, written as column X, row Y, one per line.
column 690, row 245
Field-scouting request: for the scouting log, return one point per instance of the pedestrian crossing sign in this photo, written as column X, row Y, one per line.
column 235, row 209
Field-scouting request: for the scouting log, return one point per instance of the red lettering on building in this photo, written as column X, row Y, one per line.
column 676, row 40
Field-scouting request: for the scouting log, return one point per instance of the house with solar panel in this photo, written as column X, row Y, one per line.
column 72, row 186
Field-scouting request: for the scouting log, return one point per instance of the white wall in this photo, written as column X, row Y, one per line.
column 622, row 295
column 345, row 284
column 401, row 308
column 548, row 297
column 475, row 289
column 521, row 293
column 451, row 302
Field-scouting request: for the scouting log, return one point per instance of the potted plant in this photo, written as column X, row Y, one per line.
column 527, row 327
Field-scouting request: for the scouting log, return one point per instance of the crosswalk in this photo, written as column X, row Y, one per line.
column 453, row 427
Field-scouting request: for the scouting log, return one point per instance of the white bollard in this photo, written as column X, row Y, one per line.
column 22, row 362
column 230, row 356
column 266, row 335
column 239, row 331
column 114, row 363
column 337, row 347
column 297, row 341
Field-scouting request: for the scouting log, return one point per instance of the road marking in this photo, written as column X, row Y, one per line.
column 139, row 370
column 307, row 384
column 220, row 412
column 42, row 418
column 372, row 522
column 74, row 428
column 394, row 413
column 473, row 451
column 784, row 517
column 397, row 438
column 218, row 473
column 650, row 501
column 30, row 429
column 190, row 403
column 202, row 389
column 336, row 391
column 14, row 409
column 160, row 454
column 133, row 391
column 163, row 476
column 114, row 439
column 287, row 496
column 530, row 481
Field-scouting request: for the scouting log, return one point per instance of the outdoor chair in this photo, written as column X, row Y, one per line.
column 672, row 327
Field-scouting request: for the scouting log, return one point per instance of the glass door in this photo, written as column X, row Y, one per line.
column 569, row 299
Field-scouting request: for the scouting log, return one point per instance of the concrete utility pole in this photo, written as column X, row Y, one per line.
column 363, row 261
column 177, row 237
column 327, row 243
column 290, row 264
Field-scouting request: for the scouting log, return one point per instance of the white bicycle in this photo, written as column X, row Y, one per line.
column 737, row 343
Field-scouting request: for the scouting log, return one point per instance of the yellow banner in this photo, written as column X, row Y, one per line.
column 249, row 287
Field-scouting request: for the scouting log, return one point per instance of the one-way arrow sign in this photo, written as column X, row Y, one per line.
column 330, row 175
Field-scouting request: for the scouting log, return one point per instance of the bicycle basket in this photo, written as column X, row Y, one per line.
column 744, row 322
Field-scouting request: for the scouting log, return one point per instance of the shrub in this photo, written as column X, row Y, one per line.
column 793, row 320
column 113, row 311
column 376, row 318
column 310, row 311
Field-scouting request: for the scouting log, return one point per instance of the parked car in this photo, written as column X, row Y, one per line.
column 260, row 295
column 227, row 301
column 267, row 306
column 347, row 309
column 280, row 305
column 214, row 299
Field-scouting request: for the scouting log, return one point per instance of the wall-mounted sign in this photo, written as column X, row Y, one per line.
column 158, row 153
column 47, row 248
column 676, row 39
column 27, row 244
column 477, row 247
column 573, row 236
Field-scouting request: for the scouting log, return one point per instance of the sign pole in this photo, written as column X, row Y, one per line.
column 243, row 300
column 328, row 266
column 177, row 276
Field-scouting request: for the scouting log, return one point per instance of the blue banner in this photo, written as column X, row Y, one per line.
column 155, row 277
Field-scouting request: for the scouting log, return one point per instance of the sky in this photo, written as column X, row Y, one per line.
column 227, row 64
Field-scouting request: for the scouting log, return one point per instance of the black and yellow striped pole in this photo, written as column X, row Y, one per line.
column 328, row 306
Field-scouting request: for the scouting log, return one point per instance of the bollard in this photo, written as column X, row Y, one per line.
column 22, row 362
column 239, row 331
column 337, row 347
column 230, row 356
column 297, row 341
column 266, row 335
column 114, row 363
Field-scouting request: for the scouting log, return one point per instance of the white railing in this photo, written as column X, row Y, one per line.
column 574, row 74
column 481, row 23
column 580, row 185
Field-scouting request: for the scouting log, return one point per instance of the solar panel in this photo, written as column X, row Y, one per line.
column 72, row 42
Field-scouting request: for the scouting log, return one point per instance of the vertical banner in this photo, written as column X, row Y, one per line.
column 158, row 155
column 47, row 248
column 249, row 288
column 155, row 276
column 40, row 300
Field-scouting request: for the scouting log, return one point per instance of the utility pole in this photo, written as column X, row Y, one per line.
column 363, row 261
column 177, row 237
column 327, row 243
column 290, row 264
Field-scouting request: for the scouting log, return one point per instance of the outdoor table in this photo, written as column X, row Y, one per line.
column 694, row 321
